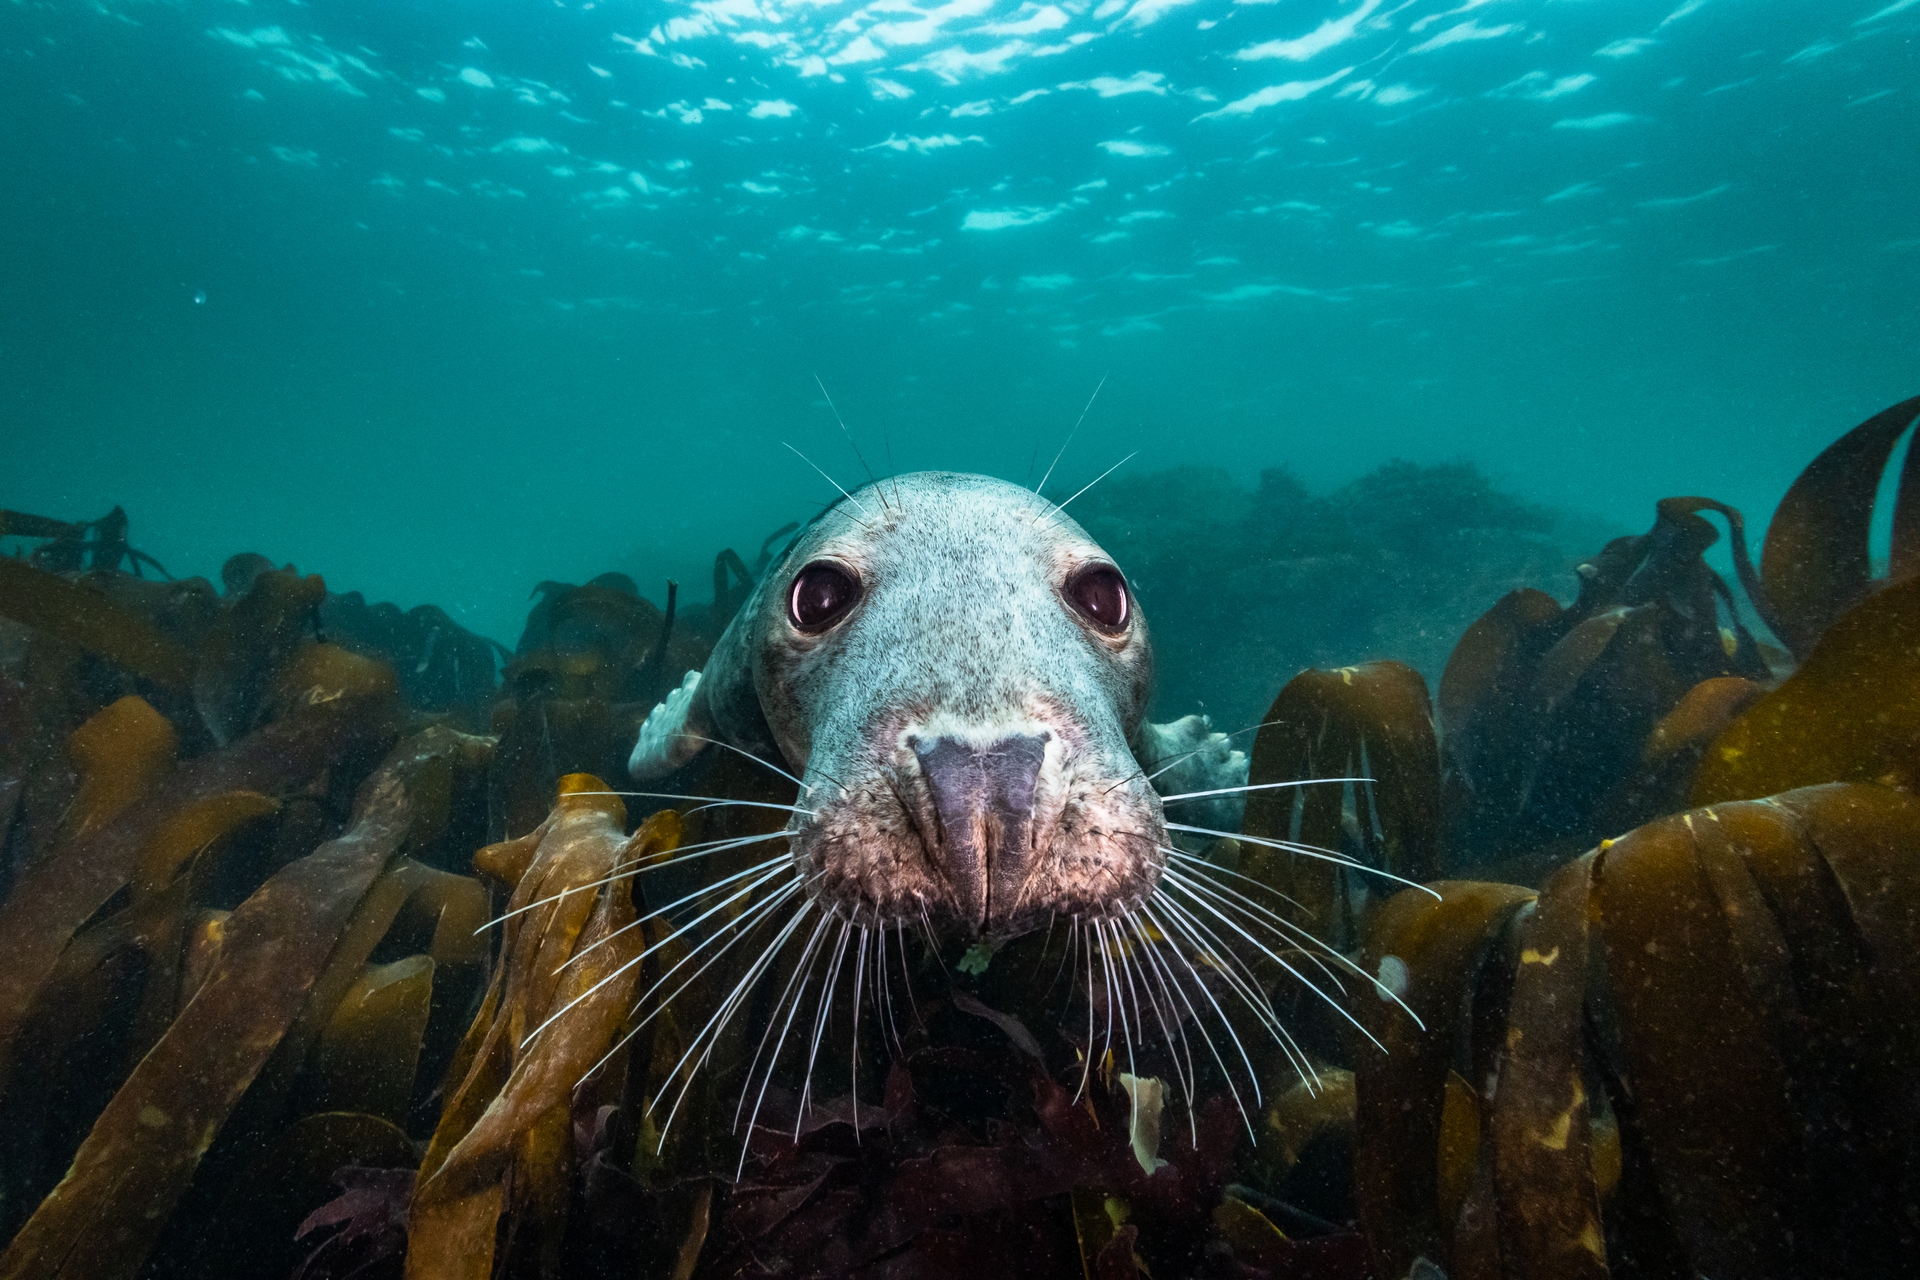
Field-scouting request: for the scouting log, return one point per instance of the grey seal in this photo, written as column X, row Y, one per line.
column 958, row 675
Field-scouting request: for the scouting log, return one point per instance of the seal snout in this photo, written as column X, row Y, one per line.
column 983, row 800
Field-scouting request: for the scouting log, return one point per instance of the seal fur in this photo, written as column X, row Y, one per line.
column 971, row 744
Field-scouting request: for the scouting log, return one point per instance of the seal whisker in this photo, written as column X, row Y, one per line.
column 795, row 991
column 624, row 871
column 1060, row 508
column 906, row 975
column 802, row 975
column 778, row 864
column 638, row 1027
column 739, row 751
column 859, row 975
column 712, row 801
column 1201, row 864
column 1170, row 987
column 885, row 1000
column 1311, row 851
column 741, row 927
column 821, row 1015
column 1241, row 902
column 1039, row 488
column 1290, row 934
column 1122, row 962
column 871, row 481
column 1110, row 988
column 1194, row 888
column 1231, row 968
column 717, row 1024
column 1066, row 954
column 1266, row 916
column 1298, row 976
column 836, row 484
column 1256, row 786
column 1201, row 985
column 1145, row 960
column 1287, row 928
column 1086, row 1068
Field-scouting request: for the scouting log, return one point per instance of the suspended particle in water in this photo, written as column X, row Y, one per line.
column 200, row 298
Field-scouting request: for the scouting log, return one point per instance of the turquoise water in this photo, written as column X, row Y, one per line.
column 441, row 300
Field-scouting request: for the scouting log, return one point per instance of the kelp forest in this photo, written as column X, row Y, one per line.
column 330, row 946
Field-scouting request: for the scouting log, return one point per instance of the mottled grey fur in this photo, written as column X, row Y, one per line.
column 962, row 632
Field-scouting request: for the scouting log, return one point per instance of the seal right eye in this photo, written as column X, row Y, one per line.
column 1099, row 593
column 822, row 595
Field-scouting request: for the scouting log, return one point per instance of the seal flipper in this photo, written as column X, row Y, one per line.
column 674, row 732
column 716, row 704
column 1188, row 756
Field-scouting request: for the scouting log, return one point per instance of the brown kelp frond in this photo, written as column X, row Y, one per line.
column 1370, row 726
column 1556, row 720
column 69, row 547
column 1815, row 563
column 506, row 1124
column 1852, row 710
column 1710, row 991
column 274, row 973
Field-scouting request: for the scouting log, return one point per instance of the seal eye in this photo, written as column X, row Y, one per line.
column 822, row 595
column 1099, row 593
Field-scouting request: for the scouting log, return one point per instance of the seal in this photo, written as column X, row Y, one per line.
column 958, row 676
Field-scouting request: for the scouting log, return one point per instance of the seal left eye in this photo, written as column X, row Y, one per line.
column 822, row 595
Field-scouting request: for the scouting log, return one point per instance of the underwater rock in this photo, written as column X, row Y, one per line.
column 1245, row 588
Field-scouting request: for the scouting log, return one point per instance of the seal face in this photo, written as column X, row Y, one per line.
column 955, row 670
column 959, row 676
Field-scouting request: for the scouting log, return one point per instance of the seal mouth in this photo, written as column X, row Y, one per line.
column 985, row 832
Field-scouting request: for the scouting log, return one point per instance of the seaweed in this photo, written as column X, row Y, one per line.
column 304, row 980
column 1684, row 980
column 1816, row 563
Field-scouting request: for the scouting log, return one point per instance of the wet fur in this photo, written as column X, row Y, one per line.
column 963, row 632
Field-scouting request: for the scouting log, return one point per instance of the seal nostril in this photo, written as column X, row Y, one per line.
column 983, row 797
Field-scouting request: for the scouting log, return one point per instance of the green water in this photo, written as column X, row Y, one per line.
column 441, row 300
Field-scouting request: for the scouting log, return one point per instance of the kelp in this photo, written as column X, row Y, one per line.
column 1689, row 1050
column 591, row 663
column 1555, row 720
column 1852, row 710
column 69, row 546
column 1561, row 725
column 177, row 942
column 442, row 666
column 145, row 1146
column 1431, row 954
column 551, row 1017
column 45, row 909
column 1371, row 722
column 1724, row 982
column 1816, row 563
column 70, row 611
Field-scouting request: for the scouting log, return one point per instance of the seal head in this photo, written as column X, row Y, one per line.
column 956, row 671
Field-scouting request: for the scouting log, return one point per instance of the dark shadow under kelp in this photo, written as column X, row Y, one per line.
column 251, row 1023
column 1245, row 587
